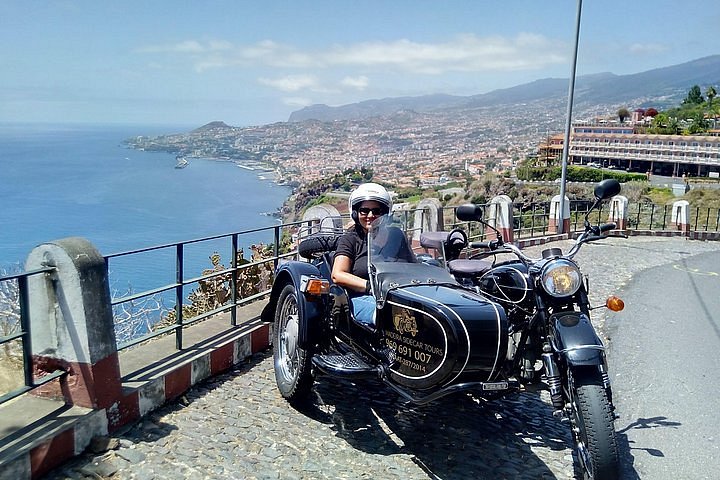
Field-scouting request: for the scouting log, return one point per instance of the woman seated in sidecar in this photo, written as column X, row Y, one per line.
column 411, row 324
column 367, row 203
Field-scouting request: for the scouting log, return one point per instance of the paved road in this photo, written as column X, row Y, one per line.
column 666, row 363
column 237, row 425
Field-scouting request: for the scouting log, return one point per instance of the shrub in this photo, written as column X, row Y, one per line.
column 577, row 174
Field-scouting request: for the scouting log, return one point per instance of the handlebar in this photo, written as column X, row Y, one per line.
column 592, row 238
column 491, row 245
column 607, row 227
column 498, row 246
column 590, row 234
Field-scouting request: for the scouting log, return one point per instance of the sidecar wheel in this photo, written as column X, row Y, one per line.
column 594, row 433
column 293, row 373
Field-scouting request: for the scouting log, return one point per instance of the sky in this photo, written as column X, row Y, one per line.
column 178, row 62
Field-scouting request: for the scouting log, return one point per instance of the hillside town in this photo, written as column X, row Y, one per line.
column 428, row 149
column 406, row 148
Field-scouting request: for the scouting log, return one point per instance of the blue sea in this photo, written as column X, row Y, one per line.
column 60, row 181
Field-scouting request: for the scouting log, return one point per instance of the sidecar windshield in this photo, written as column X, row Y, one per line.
column 387, row 242
column 392, row 263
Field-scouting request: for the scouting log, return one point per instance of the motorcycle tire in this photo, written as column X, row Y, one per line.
column 293, row 372
column 594, row 433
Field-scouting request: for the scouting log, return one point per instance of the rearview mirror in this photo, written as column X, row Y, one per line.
column 607, row 189
column 470, row 212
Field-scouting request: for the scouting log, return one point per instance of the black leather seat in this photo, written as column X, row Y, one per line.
column 469, row 268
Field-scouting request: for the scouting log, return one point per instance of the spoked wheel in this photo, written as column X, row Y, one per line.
column 594, row 432
column 292, row 363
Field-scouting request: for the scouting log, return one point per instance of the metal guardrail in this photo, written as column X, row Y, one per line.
column 18, row 330
column 180, row 286
column 533, row 219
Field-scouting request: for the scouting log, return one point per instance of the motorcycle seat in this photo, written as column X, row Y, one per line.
column 463, row 267
column 433, row 239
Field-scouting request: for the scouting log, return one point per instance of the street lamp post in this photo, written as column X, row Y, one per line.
column 568, row 119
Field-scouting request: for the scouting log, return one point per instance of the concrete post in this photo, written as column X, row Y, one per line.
column 555, row 215
column 499, row 215
column 427, row 218
column 680, row 218
column 72, row 323
column 619, row 211
column 328, row 217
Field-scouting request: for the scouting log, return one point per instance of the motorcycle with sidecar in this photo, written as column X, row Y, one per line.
column 516, row 323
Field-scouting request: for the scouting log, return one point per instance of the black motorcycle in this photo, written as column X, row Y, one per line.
column 527, row 322
column 546, row 303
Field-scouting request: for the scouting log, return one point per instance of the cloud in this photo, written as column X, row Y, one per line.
column 188, row 46
column 463, row 53
column 297, row 101
column 359, row 83
column 291, row 83
column 647, row 48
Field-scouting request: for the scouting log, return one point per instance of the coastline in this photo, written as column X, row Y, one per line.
column 122, row 211
column 264, row 170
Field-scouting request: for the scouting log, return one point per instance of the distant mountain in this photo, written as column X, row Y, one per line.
column 661, row 87
column 217, row 125
column 373, row 108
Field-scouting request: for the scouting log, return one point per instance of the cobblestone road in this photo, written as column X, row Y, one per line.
column 236, row 425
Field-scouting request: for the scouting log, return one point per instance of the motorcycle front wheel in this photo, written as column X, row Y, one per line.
column 293, row 373
column 594, row 432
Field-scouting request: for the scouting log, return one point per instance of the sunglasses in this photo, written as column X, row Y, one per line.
column 375, row 211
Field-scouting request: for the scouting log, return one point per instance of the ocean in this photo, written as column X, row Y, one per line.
column 60, row 181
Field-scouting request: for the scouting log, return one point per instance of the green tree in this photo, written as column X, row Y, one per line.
column 694, row 96
column 623, row 114
column 710, row 94
column 659, row 123
column 698, row 125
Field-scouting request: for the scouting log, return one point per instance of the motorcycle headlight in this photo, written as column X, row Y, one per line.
column 560, row 277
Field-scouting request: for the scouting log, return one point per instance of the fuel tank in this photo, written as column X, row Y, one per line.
column 507, row 283
column 438, row 335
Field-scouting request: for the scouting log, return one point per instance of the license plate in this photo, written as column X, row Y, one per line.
column 495, row 386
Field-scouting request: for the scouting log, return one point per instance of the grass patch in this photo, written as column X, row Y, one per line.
column 703, row 198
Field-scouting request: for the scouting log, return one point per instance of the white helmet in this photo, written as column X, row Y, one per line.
column 369, row 191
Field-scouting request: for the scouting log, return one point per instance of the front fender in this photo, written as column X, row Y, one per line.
column 310, row 311
column 576, row 340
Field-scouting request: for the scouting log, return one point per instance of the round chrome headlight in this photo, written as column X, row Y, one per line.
column 560, row 277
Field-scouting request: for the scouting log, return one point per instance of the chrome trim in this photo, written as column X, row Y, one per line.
column 583, row 347
column 444, row 338
column 467, row 334
column 525, row 288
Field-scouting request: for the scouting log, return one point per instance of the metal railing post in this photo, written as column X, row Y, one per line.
column 276, row 249
column 652, row 216
column 707, row 220
column 233, row 280
column 178, row 295
column 532, row 219
column 25, row 327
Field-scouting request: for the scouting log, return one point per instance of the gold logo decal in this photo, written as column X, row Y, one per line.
column 405, row 322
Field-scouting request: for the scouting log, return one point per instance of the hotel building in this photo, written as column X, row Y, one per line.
column 621, row 147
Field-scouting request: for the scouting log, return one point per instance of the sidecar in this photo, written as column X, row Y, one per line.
column 431, row 336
